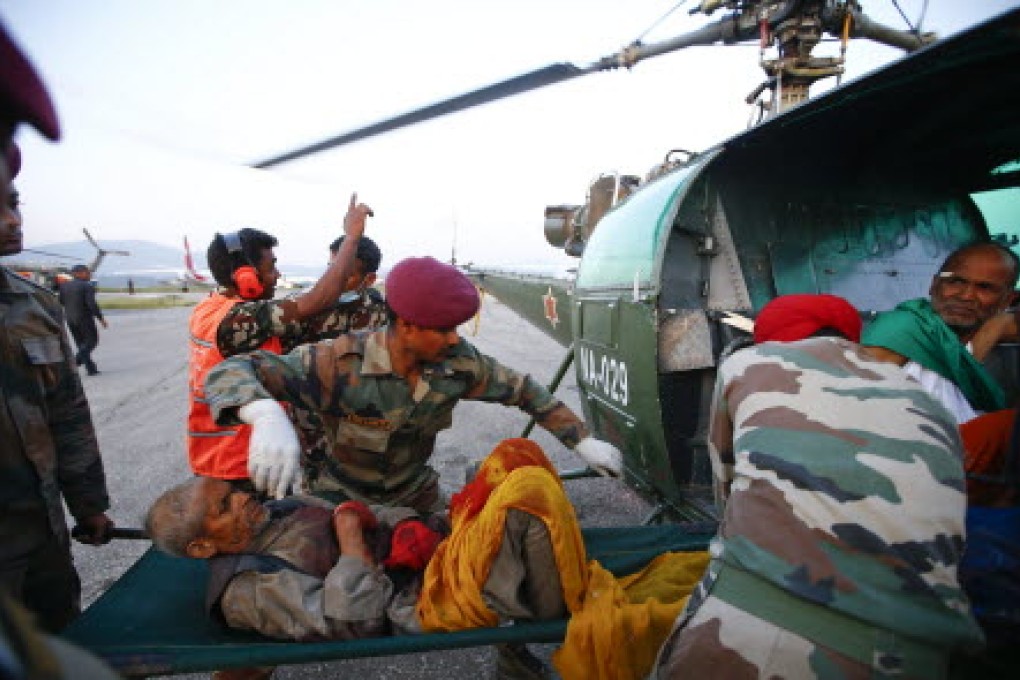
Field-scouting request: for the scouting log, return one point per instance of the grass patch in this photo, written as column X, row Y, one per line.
column 147, row 302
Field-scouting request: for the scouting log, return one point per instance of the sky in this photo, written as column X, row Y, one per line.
column 165, row 103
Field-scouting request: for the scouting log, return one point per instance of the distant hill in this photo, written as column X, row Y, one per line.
column 148, row 264
column 144, row 254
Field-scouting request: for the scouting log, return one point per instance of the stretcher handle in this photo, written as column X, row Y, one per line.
column 117, row 532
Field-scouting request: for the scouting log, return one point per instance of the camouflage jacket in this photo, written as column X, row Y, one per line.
column 381, row 435
column 844, row 486
column 293, row 584
column 47, row 443
column 249, row 324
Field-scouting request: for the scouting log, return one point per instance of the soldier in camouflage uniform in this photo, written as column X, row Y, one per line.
column 844, row 514
column 384, row 396
column 243, row 316
column 361, row 307
column 48, row 447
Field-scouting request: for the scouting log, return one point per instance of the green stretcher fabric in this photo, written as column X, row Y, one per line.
column 152, row 620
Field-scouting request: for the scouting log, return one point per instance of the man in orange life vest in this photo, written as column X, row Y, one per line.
column 244, row 265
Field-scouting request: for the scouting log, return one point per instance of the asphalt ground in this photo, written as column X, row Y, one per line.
column 139, row 406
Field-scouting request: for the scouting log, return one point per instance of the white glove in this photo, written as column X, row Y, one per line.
column 601, row 456
column 274, row 453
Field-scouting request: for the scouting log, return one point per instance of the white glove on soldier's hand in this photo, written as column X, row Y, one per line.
column 601, row 456
column 274, row 454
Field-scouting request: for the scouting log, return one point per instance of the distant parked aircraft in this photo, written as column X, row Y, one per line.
column 189, row 265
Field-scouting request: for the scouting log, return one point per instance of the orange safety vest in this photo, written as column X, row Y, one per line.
column 214, row 450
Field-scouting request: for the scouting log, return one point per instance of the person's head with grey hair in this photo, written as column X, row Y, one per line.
column 176, row 518
column 205, row 517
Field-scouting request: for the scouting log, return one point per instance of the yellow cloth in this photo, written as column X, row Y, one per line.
column 616, row 627
column 451, row 596
column 623, row 622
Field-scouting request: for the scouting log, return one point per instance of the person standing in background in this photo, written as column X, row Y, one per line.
column 79, row 299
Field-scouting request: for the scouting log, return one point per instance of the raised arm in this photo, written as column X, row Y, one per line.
column 248, row 325
column 327, row 289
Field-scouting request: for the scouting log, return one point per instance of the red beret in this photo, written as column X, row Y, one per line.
column 794, row 317
column 430, row 294
column 23, row 98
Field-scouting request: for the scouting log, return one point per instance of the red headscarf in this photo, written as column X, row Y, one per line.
column 508, row 455
column 794, row 317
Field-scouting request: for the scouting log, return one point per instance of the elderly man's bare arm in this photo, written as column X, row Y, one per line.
column 1002, row 327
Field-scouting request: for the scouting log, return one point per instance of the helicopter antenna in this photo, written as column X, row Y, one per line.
column 920, row 20
column 453, row 245
column 658, row 21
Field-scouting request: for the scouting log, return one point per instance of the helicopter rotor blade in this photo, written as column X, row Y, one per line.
column 735, row 28
column 726, row 29
column 116, row 252
column 48, row 254
column 89, row 237
column 534, row 80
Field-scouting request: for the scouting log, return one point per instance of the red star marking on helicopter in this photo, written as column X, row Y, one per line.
column 549, row 301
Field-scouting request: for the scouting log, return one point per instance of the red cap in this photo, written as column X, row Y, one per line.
column 23, row 97
column 412, row 545
column 430, row 294
column 794, row 317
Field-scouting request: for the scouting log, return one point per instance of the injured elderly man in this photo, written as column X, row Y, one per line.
column 299, row 569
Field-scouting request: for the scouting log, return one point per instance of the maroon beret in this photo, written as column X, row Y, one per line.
column 23, row 98
column 428, row 293
column 13, row 157
column 789, row 318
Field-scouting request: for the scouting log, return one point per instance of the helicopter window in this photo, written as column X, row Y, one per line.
column 625, row 243
column 1006, row 168
column 1001, row 208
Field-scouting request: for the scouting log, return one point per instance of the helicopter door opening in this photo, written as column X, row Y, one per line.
column 700, row 274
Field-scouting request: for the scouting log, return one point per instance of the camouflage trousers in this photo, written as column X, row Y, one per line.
column 422, row 494
column 36, row 568
column 722, row 640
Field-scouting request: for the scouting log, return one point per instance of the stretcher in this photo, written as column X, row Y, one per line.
column 152, row 620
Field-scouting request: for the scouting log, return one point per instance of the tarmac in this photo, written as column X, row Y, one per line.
column 139, row 407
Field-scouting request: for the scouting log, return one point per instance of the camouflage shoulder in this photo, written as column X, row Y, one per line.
column 463, row 349
column 349, row 343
